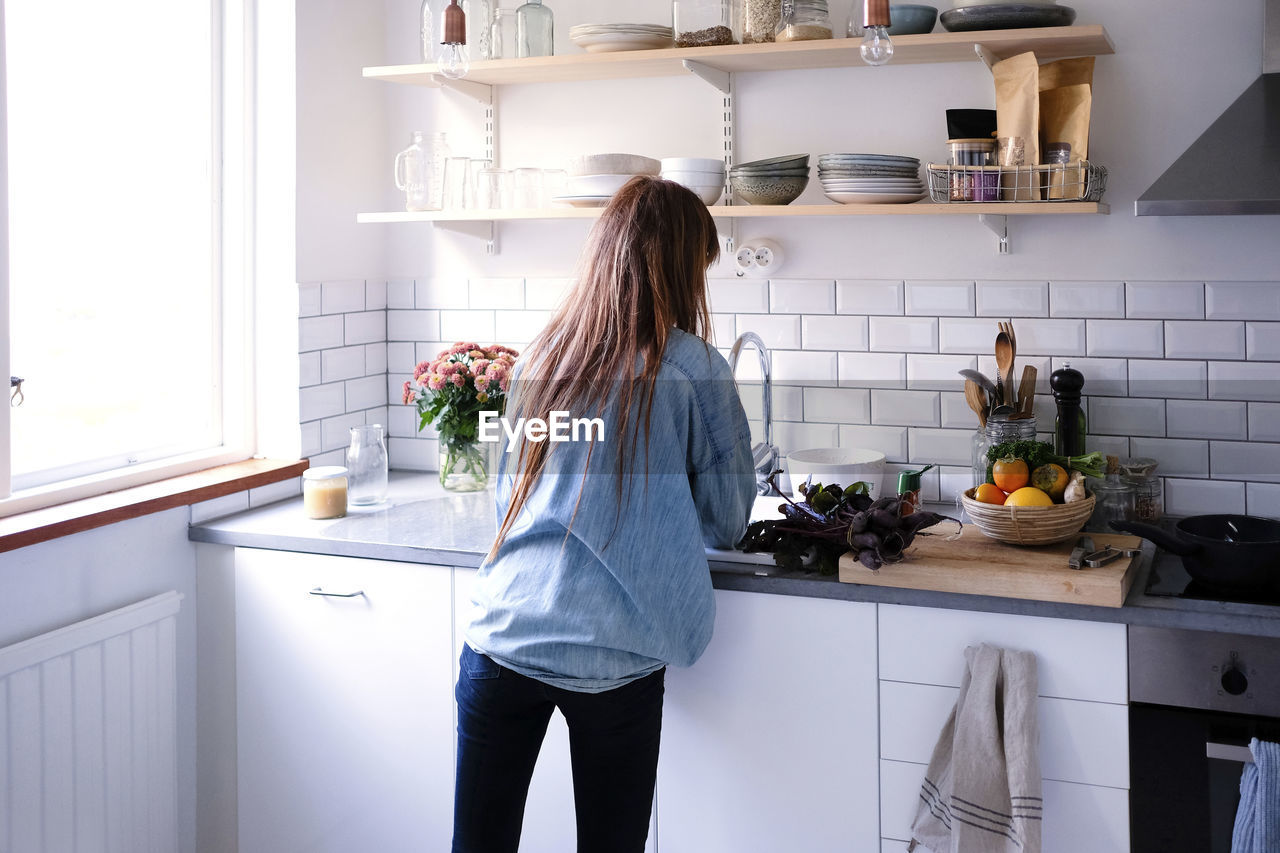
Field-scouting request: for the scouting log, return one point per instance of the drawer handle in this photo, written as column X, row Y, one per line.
column 320, row 591
column 1228, row 752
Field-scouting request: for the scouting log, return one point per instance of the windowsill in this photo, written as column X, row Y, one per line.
column 28, row 528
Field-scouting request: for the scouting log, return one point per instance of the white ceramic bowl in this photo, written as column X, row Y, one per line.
column 613, row 164
column 843, row 465
column 597, row 184
column 692, row 164
column 694, row 179
column 709, row 195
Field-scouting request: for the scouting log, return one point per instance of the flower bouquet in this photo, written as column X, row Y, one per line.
column 451, row 391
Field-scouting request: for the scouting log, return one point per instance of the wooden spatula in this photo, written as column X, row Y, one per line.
column 977, row 400
column 1027, row 390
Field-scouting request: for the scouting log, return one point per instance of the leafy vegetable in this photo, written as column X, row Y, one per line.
column 1037, row 453
column 832, row 521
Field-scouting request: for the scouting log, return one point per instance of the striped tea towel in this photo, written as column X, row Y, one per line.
column 981, row 791
column 1257, row 827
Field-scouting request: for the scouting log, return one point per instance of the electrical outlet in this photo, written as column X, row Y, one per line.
column 766, row 257
column 745, row 259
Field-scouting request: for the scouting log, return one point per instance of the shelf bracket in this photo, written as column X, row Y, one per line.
column 985, row 54
column 480, row 229
column 476, row 91
column 716, row 77
column 999, row 225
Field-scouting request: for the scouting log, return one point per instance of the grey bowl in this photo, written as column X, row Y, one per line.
column 768, row 190
column 1006, row 17
column 789, row 160
column 770, row 173
column 911, row 19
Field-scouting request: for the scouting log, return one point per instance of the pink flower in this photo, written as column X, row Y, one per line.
column 503, row 383
column 460, row 348
column 436, row 382
column 408, row 393
column 496, row 370
column 482, row 382
column 478, row 366
column 477, row 353
column 423, row 367
column 458, row 380
column 482, row 397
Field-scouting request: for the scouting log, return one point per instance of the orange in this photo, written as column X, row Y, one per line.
column 1051, row 479
column 988, row 493
column 1028, row 496
column 1010, row 473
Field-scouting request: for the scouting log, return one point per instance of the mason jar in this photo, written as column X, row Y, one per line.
column 998, row 429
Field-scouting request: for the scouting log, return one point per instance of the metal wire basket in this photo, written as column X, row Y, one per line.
column 1049, row 182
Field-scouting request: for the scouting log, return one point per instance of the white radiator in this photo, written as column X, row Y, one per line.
column 88, row 735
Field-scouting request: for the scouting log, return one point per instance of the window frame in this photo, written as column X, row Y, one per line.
column 232, row 229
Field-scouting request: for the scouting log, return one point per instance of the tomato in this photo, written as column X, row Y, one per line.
column 988, row 493
column 1010, row 473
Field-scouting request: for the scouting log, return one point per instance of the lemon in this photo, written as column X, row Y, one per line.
column 1028, row 496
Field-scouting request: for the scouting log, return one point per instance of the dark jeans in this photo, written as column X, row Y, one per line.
column 613, row 746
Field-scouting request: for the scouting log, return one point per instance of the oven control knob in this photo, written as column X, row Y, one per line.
column 1234, row 681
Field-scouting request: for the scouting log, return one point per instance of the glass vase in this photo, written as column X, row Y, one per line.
column 466, row 466
column 367, row 465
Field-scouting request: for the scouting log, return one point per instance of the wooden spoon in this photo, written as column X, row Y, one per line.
column 977, row 400
column 1007, row 328
column 982, row 380
column 1004, row 366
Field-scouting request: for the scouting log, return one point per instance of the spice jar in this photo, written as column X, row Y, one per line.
column 760, row 20
column 1148, row 493
column 998, row 429
column 324, row 491
column 803, row 20
column 699, row 23
column 909, row 490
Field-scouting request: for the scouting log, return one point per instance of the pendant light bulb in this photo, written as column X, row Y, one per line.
column 877, row 47
column 454, row 59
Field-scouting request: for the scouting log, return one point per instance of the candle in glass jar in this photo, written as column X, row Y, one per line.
column 324, row 491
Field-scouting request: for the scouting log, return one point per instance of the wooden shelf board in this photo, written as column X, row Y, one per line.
column 1049, row 43
column 920, row 208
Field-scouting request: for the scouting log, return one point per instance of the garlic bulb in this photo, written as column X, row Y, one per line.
column 1075, row 489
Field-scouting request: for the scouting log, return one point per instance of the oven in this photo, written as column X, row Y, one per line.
column 1196, row 698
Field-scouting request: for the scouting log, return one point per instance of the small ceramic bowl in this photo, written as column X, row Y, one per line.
column 771, row 172
column 842, row 465
column 692, row 164
column 709, row 195
column 912, row 19
column 758, row 189
column 692, row 179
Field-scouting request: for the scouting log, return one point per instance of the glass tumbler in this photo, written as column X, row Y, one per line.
column 491, row 189
column 455, row 182
column 367, row 466
column 526, row 188
column 555, row 182
column 503, row 40
column 474, row 168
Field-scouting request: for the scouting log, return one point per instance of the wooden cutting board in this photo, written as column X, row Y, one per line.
column 976, row 564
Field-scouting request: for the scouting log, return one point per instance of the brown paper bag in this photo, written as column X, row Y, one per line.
column 1066, row 72
column 1017, row 82
column 1064, row 117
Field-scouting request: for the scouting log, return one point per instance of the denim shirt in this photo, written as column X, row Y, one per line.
column 628, row 590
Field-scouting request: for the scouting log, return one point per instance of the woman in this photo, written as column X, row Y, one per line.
column 598, row 578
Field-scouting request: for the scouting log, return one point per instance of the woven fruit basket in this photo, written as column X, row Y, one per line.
column 1029, row 525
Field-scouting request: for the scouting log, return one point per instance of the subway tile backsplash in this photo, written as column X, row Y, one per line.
column 1185, row 372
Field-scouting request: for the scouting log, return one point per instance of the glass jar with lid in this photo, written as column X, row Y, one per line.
column 760, row 20
column 1114, row 502
column 802, row 20
column 998, row 429
column 699, row 23
column 324, row 492
column 1148, row 492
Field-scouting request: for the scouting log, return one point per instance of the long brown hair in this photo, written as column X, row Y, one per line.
column 643, row 272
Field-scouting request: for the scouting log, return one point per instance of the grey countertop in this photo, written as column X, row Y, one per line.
column 421, row 523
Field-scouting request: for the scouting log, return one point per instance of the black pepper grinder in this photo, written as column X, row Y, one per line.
column 1069, row 431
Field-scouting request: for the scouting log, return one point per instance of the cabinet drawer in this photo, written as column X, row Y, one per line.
column 1084, row 742
column 1076, row 660
column 1076, row 817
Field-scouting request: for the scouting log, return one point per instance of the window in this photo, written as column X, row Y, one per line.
column 125, row 222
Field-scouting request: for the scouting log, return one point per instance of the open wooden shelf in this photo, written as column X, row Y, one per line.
column 747, row 211
column 1049, row 43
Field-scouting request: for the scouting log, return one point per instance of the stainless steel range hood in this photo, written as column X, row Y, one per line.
column 1234, row 167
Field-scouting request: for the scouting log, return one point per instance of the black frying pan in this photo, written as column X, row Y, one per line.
column 1226, row 552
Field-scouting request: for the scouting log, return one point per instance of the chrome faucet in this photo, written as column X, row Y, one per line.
column 764, row 455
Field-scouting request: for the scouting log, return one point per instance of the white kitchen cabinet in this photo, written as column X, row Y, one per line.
column 344, row 705
column 769, row 740
column 549, row 823
column 1084, row 733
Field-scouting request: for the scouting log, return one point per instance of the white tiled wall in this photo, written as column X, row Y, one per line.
column 1186, row 372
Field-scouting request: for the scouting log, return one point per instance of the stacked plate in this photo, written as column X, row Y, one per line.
column 870, row 178
column 607, row 38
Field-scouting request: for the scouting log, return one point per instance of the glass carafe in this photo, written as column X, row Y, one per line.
column 534, row 28
column 367, row 466
column 479, row 28
column 413, row 173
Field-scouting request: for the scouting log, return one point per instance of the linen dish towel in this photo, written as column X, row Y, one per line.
column 981, row 791
column 1257, row 828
